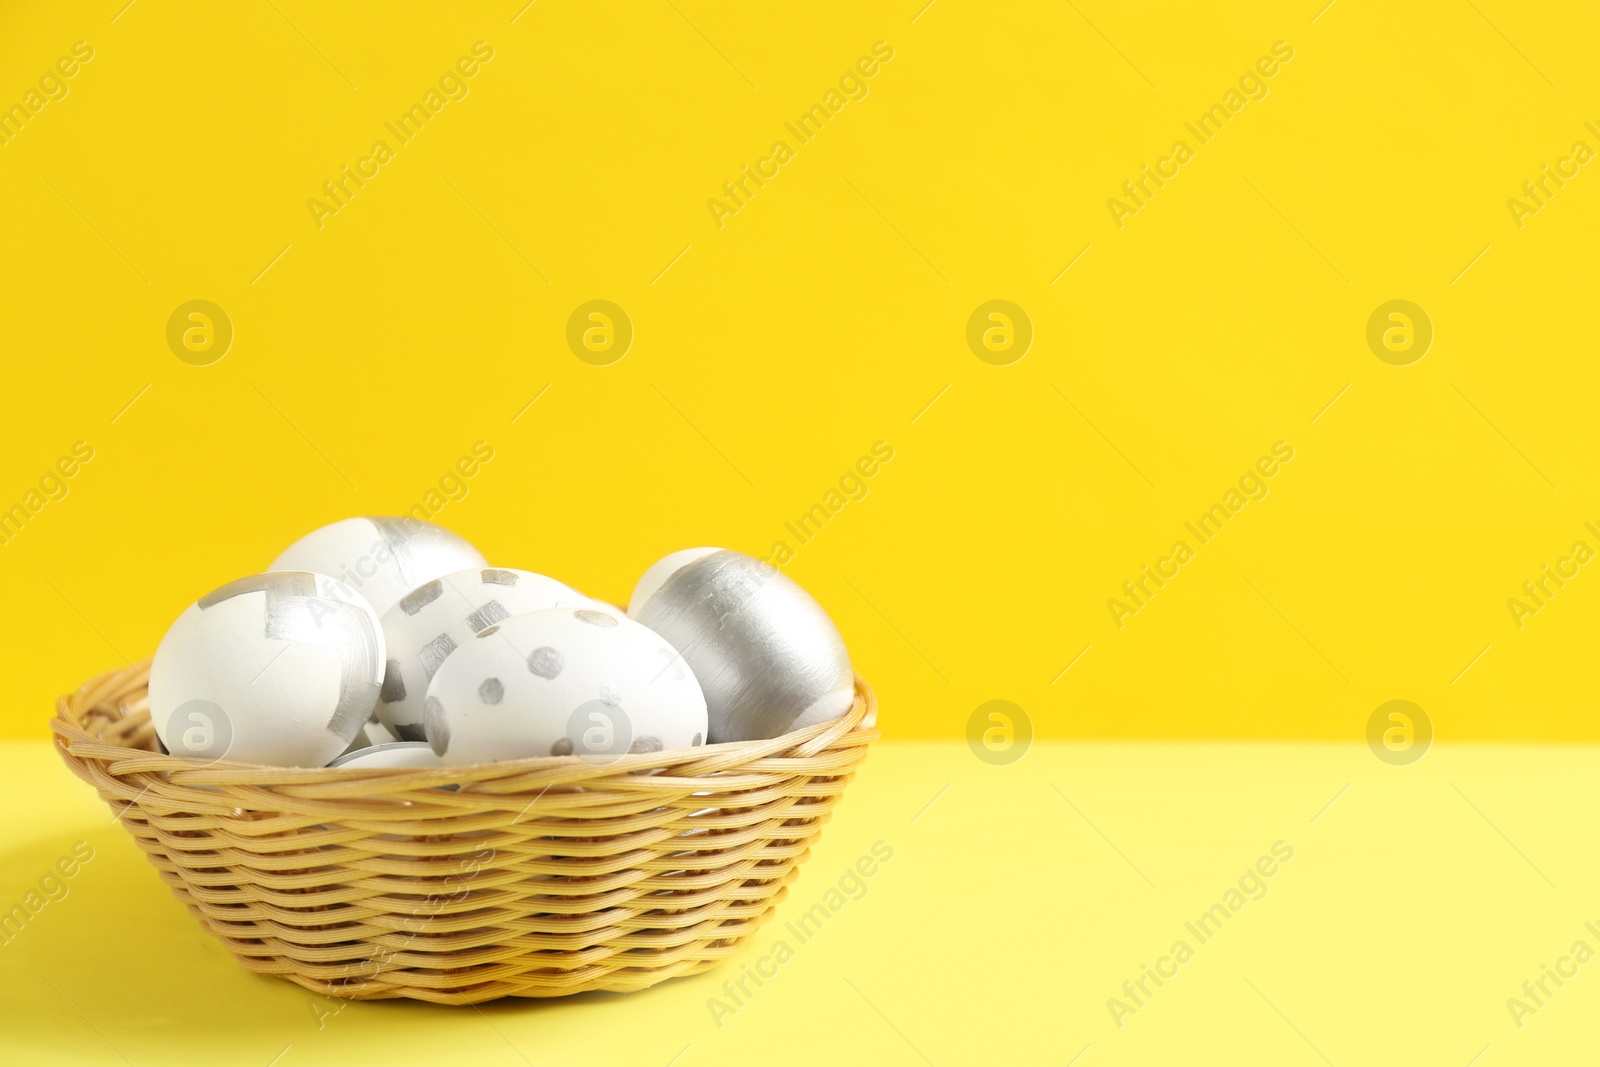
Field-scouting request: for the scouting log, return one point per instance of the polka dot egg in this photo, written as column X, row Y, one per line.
column 432, row 621
column 589, row 682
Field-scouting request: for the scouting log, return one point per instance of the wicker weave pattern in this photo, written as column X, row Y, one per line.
column 534, row 878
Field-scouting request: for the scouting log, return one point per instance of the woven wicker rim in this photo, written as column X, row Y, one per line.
column 599, row 876
column 112, row 707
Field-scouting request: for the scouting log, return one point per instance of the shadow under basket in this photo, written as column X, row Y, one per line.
column 525, row 878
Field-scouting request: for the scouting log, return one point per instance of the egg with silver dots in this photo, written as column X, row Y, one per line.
column 280, row 668
column 588, row 682
column 432, row 621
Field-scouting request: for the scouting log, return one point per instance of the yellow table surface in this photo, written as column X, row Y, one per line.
column 1018, row 901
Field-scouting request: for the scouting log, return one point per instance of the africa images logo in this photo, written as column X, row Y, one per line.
column 1252, row 486
column 852, row 85
column 1252, row 85
column 452, row 86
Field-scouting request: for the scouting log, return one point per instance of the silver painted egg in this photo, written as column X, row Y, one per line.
column 768, row 658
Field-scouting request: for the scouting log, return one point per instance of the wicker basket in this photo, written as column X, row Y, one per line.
column 532, row 878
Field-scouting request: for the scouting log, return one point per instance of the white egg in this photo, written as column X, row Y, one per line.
column 408, row 754
column 433, row 620
column 587, row 682
column 371, row 733
column 767, row 656
column 280, row 668
column 383, row 559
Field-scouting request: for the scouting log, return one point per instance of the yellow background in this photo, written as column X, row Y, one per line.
column 770, row 354
column 825, row 316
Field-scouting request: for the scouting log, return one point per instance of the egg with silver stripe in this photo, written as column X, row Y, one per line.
column 280, row 669
column 428, row 624
column 586, row 682
column 382, row 558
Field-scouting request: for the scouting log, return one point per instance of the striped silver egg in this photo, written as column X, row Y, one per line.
column 768, row 658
